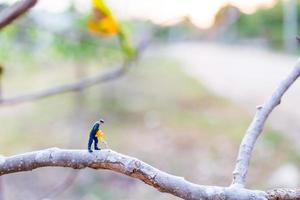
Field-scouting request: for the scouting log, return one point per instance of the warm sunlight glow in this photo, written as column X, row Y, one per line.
column 199, row 12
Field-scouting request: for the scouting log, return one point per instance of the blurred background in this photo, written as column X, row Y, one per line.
column 183, row 106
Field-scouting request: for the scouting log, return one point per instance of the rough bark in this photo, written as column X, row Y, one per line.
column 283, row 194
column 111, row 160
column 108, row 159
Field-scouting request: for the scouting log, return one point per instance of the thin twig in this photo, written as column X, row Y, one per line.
column 72, row 87
column 257, row 124
column 9, row 14
column 81, row 84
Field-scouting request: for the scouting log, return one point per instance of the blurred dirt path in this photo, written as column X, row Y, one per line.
column 246, row 76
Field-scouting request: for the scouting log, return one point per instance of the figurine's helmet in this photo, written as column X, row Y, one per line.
column 101, row 121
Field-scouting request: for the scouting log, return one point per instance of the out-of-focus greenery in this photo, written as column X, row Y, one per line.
column 34, row 42
column 265, row 23
column 78, row 44
column 179, row 31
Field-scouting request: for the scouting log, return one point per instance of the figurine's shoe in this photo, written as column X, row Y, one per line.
column 97, row 148
column 90, row 150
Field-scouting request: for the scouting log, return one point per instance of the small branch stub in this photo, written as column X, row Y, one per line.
column 257, row 124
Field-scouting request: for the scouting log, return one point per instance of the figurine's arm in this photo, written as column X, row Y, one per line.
column 100, row 136
column 96, row 127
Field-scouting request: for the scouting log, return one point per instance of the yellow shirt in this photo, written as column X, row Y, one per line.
column 100, row 135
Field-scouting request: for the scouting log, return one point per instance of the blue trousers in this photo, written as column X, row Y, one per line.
column 91, row 140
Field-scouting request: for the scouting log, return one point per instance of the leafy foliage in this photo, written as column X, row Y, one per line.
column 266, row 23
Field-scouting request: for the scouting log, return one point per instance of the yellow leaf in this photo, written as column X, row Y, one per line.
column 100, row 5
column 102, row 21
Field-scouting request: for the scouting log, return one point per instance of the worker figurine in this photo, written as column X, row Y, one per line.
column 96, row 134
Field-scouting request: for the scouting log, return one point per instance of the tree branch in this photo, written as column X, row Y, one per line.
column 283, row 194
column 257, row 124
column 108, row 159
column 79, row 85
column 8, row 15
column 111, row 160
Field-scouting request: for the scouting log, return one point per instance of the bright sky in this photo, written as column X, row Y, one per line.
column 201, row 12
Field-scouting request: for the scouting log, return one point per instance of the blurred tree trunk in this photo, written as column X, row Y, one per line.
column 80, row 72
column 1, row 74
column 79, row 114
column 290, row 25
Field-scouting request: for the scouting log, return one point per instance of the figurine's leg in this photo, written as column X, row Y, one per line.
column 96, row 144
column 90, row 144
